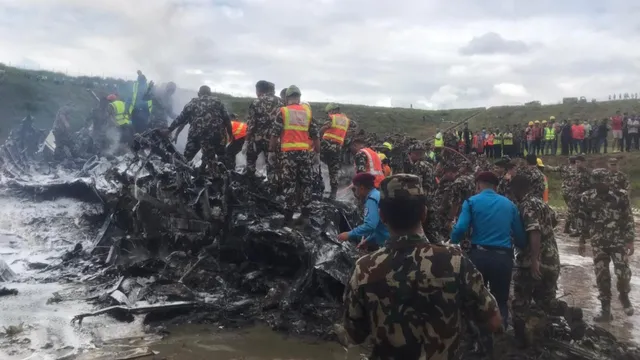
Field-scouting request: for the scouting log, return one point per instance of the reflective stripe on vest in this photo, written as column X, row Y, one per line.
column 497, row 140
column 549, row 134
column 374, row 166
column 438, row 142
column 122, row 118
column 295, row 136
column 338, row 130
column 135, row 98
column 507, row 139
column 545, row 194
column 239, row 129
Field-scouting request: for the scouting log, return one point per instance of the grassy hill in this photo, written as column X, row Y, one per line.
column 42, row 93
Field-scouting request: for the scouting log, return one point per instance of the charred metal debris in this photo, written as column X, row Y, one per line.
column 179, row 246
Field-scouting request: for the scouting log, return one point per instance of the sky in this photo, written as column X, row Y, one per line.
column 426, row 53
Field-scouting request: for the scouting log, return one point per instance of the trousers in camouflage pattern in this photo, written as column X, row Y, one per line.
column 211, row 143
column 254, row 148
column 330, row 154
column 526, row 288
column 297, row 179
column 601, row 259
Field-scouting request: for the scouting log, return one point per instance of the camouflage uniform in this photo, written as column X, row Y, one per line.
column 361, row 161
column 161, row 108
column 296, row 169
column 262, row 114
column 608, row 221
column 427, row 173
column 209, row 121
column 409, row 296
column 462, row 188
column 536, row 179
column 504, row 188
column 620, row 180
column 330, row 155
column 536, row 216
column 440, row 208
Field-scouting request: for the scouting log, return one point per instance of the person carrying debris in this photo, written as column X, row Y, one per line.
column 538, row 264
column 372, row 231
column 298, row 133
column 239, row 130
column 385, row 295
column 62, row 133
column 493, row 220
column 605, row 218
column 261, row 116
column 367, row 160
column 161, row 107
column 208, row 121
column 333, row 133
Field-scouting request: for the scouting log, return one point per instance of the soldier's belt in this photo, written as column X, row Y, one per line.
column 498, row 249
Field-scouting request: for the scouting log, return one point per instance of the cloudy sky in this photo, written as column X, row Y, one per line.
column 429, row 53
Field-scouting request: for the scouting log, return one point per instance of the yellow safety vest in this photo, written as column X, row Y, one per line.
column 497, row 140
column 135, row 98
column 507, row 139
column 122, row 118
column 549, row 134
column 438, row 142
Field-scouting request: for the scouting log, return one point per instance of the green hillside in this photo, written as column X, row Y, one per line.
column 42, row 93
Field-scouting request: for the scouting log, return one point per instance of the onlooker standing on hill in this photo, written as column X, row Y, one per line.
column 586, row 146
column 603, row 131
column 633, row 124
column 577, row 134
column 625, row 133
column 537, row 138
column 616, row 129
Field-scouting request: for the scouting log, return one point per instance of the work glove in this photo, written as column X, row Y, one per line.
column 271, row 158
column 244, row 148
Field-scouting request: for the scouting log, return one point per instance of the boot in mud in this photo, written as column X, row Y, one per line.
column 626, row 304
column 605, row 313
column 334, row 194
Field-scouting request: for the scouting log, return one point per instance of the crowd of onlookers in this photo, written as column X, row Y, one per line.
column 548, row 137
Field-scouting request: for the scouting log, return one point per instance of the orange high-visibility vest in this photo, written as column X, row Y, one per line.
column 475, row 141
column 386, row 169
column 338, row 130
column 545, row 194
column 374, row 166
column 490, row 140
column 295, row 136
column 239, row 129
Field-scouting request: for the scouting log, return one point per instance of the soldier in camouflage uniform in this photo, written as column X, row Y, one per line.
column 261, row 116
column 161, row 104
column 535, row 176
column 605, row 218
column 384, row 295
column 538, row 265
column 619, row 180
column 507, row 170
column 419, row 166
column 209, row 121
column 296, row 146
column 462, row 188
column 333, row 133
column 568, row 174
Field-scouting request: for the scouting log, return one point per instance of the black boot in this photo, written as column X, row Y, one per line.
column 626, row 304
column 605, row 313
column 520, row 332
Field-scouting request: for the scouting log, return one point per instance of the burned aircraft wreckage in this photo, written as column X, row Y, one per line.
column 176, row 246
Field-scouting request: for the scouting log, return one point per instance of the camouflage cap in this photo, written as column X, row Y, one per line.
column 293, row 90
column 416, row 147
column 600, row 175
column 401, row 186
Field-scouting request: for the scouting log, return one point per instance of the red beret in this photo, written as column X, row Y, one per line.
column 363, row 178
column 488, row 177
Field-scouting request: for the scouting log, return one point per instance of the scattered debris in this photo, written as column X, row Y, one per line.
column 6, row 274
column 13, row 330
column 6, row 292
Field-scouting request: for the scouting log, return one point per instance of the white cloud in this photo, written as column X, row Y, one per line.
column 426, row 53
column 512, row 90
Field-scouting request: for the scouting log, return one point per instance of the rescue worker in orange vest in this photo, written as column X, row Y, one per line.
column 367, row 160
column 300, row 147
column 386, row 164
column 333, row 133
column 239, row 130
